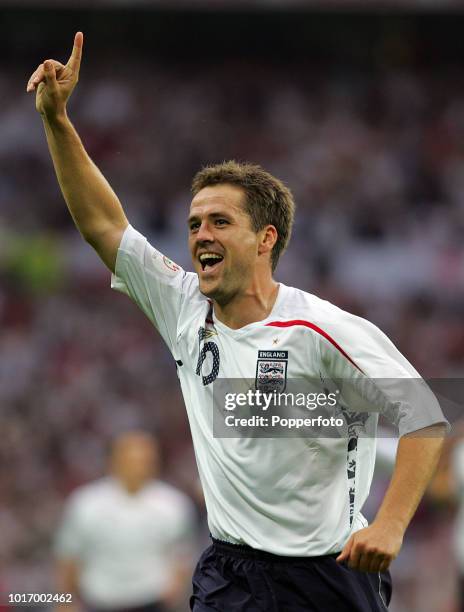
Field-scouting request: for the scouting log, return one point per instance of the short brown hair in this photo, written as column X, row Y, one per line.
column 268, row 201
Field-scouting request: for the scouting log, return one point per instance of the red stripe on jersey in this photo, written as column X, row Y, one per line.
column 316, row 329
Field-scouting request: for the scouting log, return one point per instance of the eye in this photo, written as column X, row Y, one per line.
column 194, row 226
column 222, row 222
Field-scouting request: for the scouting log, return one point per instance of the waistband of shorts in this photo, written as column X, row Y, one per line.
column 243, row 551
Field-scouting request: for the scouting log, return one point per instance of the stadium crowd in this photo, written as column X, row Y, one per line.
column 376, row 163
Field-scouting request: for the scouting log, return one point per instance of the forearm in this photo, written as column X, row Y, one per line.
column 92, row 203
column 416, row 460
column 373, row 548
column 178, row 585
column 67, row 580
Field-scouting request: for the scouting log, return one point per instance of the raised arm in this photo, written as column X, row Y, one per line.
column 93, row 205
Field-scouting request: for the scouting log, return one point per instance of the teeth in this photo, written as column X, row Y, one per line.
column 204, row 256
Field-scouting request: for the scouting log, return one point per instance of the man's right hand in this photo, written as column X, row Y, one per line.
column 94, row 206
column 54, row 82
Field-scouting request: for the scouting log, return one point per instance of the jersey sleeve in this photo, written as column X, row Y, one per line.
column 155, row 283
column 376, row 376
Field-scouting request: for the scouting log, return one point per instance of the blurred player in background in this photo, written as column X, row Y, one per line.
column 285, row 514
column 125, row 541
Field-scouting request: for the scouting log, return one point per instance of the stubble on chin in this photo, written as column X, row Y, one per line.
column 217, row 293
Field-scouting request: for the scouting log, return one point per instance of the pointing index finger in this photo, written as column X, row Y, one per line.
column 74, row 61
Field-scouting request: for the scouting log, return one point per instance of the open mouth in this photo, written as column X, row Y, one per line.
column 209, row 261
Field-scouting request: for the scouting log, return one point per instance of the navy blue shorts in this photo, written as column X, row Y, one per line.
column 231, row 578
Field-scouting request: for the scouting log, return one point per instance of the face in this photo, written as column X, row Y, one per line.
column 134, row 458
column 223, row 245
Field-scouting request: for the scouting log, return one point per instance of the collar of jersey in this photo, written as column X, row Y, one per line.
column 251, row 326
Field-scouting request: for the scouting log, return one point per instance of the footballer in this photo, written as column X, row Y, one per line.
column 285, row 514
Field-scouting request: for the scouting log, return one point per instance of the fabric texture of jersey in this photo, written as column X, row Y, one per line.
column 287, row 496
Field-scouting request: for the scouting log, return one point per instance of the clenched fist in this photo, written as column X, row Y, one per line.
column 373, row 548
column 54, row 82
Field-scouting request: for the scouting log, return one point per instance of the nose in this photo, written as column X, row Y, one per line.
column 204, row 233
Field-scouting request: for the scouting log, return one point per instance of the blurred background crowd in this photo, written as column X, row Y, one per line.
column 362, row 115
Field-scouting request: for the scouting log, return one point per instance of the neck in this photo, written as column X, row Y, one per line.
column 253, row 305
column 132, row 486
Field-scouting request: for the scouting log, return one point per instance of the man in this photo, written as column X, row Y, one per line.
column 284, row 514
column 125, row 540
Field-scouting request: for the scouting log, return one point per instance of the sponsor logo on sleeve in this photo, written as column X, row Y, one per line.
column 170, row 264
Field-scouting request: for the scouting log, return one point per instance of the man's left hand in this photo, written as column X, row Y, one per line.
column 373, row 548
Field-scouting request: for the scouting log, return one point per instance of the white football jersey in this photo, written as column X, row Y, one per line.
column 297, row 496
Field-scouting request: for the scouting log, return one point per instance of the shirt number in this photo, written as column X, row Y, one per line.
column 208, row 347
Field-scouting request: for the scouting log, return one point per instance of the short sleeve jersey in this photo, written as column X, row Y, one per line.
column 288, row 496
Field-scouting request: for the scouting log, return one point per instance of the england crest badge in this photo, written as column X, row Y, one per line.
column 271, row 371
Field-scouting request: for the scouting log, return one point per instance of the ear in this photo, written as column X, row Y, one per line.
column 267, row 239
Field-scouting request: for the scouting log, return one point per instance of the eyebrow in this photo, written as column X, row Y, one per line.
column 213, row 215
